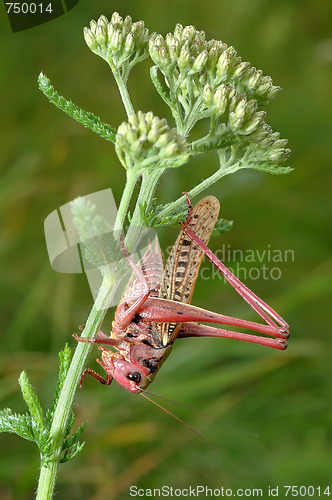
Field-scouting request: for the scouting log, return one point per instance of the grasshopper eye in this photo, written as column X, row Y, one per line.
column 128, row 375
column 134, row 377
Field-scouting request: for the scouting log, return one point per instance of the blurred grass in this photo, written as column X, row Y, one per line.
column 47, row 160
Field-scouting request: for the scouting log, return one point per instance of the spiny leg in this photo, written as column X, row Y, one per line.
column 103, row 380
column 263, row 310
column 197, row 330
column 125, row 315
column 190, row 207
column 105, row 340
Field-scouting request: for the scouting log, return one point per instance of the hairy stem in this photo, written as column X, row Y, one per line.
column 171, row 208
column 150, row 181
column 123, row 91
column 59, row 425
column 131, row 180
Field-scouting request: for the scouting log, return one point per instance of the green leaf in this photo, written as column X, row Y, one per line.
column 211, row 144
column 267, row 167
column 32, row 401
column 158, row 85
column 86, row 118
column 71, row 444
column 17, row 424
column 72, row 452
column 152, row 219
column 73, row 439
column 64, row 358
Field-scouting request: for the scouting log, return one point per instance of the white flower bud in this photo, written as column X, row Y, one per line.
column 93, row 25
column 178, row 31
column 90, row 39
column 223, row 66
column 189, row 33
column 241, row 108
column 232, row 98
column 212, row 59
column 162, row 140
column 169, row 40
column 103, row 21
column 127, row 21
column 184, row 60
column 208, row 95
column 110, row 31
column 251, row 125
column 200, row 62
column 170, row 150
column 251, row 108
column 101, row 35
column 240, row 69
column 117, row 20
column 274, row 91
column 235, row 121
column 115, row 41
column 200, row 37
column 129, row 44
column 159, row 41
column 220, row 100
column 173, row 52
column 252, row 82
column 263, row 90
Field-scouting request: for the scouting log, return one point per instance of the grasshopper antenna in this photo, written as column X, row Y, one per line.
column 199, row 412
column 197, row 434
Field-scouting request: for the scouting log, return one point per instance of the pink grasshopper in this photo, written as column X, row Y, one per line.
column 155, row 309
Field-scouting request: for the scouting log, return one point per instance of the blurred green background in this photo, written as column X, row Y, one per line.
column 47, row 159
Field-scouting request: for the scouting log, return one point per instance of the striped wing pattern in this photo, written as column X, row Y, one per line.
column 182, row 266
column 151, row 267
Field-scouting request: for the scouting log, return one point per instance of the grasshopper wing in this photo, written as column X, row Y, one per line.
column 182, row 266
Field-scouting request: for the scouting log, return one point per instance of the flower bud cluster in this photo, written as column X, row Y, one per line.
column 183, row 52
column 117, row 40
column 268, row 146
column 147, row 137
column 242, row 115
column 188, row 62
column 225, row 66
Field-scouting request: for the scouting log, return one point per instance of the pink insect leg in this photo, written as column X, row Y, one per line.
column 124, row 314
column 103, row 380
column 166, row 311
column 263, row 310
column 197, row 330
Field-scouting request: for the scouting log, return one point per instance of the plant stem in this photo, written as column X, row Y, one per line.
column 59, row 425
column 131, row 180
column 123, row 91
column 149, row 184
column 62, row 412
column 171, row 208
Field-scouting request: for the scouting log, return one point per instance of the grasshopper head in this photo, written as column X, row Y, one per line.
column 129, row 376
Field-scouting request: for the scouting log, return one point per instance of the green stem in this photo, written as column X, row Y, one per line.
column 131, row 180
column 123, row 91
column 59, row 425
column 149, row 184
column 58, row 430
column 171, row 208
